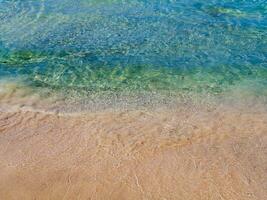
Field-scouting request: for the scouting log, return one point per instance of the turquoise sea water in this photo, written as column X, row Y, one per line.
column 84, row 47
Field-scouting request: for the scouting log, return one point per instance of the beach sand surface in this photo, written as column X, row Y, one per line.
column 185, row 154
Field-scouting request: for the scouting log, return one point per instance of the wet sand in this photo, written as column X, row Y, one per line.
column 179, row 154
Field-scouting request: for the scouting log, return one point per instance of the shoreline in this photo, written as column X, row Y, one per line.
column 183, row 154
column 16, row 96
column 129, row 100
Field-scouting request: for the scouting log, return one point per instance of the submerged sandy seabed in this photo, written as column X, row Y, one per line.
column 182, row 154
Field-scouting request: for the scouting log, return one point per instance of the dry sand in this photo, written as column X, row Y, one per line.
column 186, row 154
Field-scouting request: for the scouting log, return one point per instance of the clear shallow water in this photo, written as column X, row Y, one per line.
column 85, row 47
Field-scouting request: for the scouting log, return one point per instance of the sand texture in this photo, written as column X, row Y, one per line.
column 188, row 154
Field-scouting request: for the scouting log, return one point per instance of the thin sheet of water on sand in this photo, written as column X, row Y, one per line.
column 190, row 153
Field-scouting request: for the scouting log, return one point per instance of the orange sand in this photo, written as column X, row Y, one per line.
column 182, row 155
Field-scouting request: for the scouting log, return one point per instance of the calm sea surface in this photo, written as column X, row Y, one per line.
column 84, row 47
